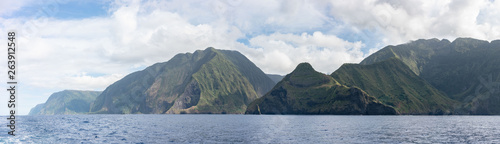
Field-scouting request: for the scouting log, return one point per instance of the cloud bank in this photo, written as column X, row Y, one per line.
column 93, row 52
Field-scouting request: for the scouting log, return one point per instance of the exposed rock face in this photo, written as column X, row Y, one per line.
column 394, row 84
column 466, row 70
column 208, row 81
column 189, row 98
column 305, row 91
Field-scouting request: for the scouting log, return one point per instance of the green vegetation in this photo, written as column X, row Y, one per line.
column 66, row 102
column 414, row 54
column 305, row 91
column 208, row 81
column 223, row 88
column 394, row 84
column 460, row 69
column 420, row 77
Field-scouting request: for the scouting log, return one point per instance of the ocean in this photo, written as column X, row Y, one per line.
column 252, row 129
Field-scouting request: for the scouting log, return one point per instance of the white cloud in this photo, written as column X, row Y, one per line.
column 401, row 21
column 280, row 53
column 94, row 52
column 253, row 17
column 84, row 81
column 61, row 50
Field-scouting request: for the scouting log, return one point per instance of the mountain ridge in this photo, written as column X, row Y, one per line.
column 394, row 83
column 455, row 68
column 66, row 102
column 306, row 91
column 425, row 76
column 206, row 81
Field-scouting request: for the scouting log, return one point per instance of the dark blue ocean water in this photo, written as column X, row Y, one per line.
column 252, row 129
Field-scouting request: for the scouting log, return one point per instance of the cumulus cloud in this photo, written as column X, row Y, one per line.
column 401, row 21
column 280, row 53
column 254, row 17
column 54, row 53
column 91, row 53
column 140, row 33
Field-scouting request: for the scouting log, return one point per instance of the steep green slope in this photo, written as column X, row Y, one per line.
column 394, row 84
column 66, row 102
column 223, row 89
column 414, row 54
column 248, row 69
column 466, row 70
column 208, row 81
column 305, row 91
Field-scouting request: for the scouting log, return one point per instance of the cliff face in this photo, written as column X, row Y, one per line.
column 66, row 102
column 208, row 81
column 36, row 110
column 465, row 70
column 394, row 84
column 305, row 91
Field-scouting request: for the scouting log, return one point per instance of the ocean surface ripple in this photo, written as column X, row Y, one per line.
column 252, row 129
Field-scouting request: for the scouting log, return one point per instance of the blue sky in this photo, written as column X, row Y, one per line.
column 88, row 45
column 65, row 9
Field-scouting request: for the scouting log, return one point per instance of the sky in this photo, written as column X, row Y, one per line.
column 88, row 45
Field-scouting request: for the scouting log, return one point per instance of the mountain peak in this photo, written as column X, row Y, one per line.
column 427, row 40
column 206, row 51
column 207, row 81
column 434, row 42
column 495, row 42
column 304, row 75
column 304, row 67
column 469, row 40
column 306, row 91
column 446, row 41
column 395, row 84
column 210, row 49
